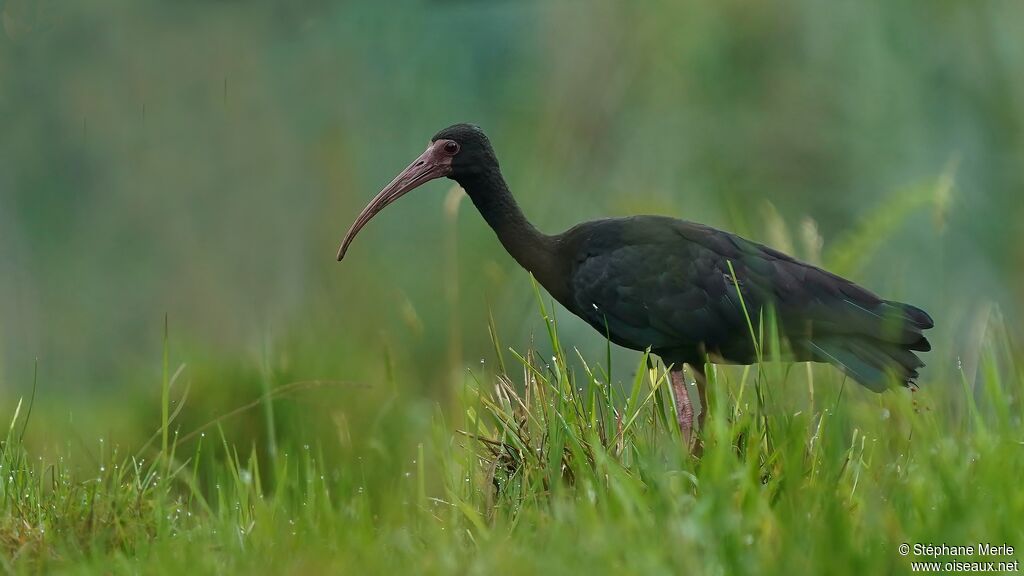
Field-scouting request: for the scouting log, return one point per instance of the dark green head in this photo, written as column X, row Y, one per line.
column 475, row 154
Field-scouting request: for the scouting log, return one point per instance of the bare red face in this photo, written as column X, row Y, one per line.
column 435, row 162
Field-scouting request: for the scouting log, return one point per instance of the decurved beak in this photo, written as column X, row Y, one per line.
column 432, row 164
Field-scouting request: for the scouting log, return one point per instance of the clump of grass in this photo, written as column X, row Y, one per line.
column 557, row 428
column 45, row 503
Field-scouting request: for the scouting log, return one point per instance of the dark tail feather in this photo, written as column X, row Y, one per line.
column 872, row 363
column 912, row 315
column 876, row 360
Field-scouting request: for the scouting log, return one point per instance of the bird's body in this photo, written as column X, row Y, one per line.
column 688, row 292
column 666, row 284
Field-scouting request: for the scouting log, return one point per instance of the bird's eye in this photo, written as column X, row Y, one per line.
column 451, row 148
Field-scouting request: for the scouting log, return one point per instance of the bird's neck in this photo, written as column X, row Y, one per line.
column 533, row 250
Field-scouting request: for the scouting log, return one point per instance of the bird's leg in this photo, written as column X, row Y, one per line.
column 684, row 409
column 702, row 392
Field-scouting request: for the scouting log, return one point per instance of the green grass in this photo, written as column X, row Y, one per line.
column 535, row 462
column 539, row 465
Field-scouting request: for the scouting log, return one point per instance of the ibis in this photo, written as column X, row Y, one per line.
column 687, row 292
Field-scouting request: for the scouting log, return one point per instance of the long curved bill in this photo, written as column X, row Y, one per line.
column 432, row 164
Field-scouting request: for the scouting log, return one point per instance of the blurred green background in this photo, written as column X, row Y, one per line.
column 203, row 159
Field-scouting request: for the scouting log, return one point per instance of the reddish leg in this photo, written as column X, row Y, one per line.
column 684, row 409
column 702, row 392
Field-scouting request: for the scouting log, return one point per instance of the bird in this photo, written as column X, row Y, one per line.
column 684, row 291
